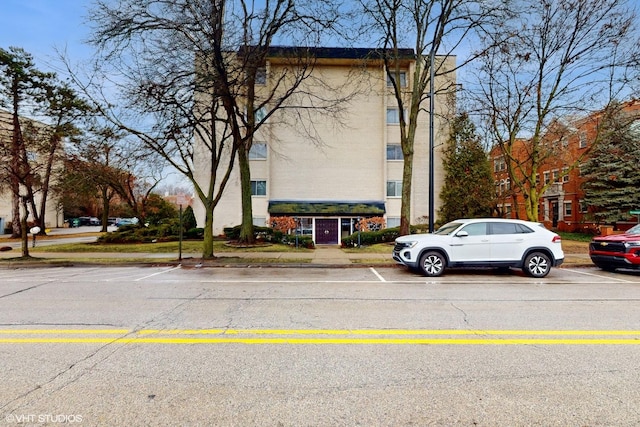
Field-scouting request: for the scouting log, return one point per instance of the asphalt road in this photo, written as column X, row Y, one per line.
column 318, row 347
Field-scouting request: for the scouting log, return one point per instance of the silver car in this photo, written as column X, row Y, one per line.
column 482, row 242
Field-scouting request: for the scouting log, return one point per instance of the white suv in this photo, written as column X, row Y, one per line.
column 482, row 242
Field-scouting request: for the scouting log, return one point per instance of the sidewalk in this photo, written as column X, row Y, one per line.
column 322, row 255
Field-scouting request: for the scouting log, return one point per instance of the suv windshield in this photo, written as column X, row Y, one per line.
column 634, row 230
column 448, row 228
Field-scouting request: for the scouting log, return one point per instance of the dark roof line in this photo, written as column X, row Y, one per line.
column 338, row 52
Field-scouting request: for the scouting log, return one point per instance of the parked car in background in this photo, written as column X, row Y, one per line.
column 126, row 221
column 83, row 221
column 482, row 242
column 89, row 220
column 617, row 250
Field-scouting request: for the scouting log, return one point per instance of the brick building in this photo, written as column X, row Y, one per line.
column 561, row 205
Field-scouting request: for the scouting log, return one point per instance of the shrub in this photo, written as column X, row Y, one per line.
column 282, row 223
column 385, row 235
column 304, row 241
column 194, row 233
column 376, row 223
column 260, row 233
column 167, row 231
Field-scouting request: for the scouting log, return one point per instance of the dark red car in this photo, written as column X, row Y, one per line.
column 617, row 250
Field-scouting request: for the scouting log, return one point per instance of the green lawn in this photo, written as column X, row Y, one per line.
column 191, row 247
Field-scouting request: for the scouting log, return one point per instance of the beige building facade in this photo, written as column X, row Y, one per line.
column 53, row 214
column 329, row 171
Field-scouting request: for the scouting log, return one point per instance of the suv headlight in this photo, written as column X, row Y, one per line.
column 632, row 244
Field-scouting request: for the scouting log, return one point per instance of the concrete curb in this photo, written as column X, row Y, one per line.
column 220, row 262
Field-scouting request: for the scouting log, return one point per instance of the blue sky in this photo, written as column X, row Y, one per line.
column 41, row 26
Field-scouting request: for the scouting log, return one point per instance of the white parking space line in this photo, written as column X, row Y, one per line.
column 597, row 275
column 373, row 270
column 158, row 273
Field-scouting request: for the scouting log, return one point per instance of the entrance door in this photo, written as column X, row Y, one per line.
column 327, row 231
column 554, row 213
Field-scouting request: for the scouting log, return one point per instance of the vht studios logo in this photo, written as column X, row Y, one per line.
column 42, row 418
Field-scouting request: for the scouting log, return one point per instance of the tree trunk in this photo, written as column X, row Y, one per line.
column 207, row 244
column 246, row 229
column 405, row 207
column 105, row 208
column 24, row 232
column 16, row 229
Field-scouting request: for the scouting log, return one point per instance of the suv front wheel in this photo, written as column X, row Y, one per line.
column 537, row 264
column 432, row 264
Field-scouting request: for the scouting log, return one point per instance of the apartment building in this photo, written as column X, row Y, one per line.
column 53, row 215
column 350, row 168
column 561, row 206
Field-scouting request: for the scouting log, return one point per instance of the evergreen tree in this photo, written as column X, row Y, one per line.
column 611, row 174
column 468, row 189
column 189, row 219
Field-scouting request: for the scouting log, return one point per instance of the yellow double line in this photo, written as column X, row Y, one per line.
column 321, row 336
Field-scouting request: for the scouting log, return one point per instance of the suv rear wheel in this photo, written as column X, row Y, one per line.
column 432, row 264
column 537, row 264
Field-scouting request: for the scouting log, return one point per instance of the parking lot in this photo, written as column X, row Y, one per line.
column 318, row 346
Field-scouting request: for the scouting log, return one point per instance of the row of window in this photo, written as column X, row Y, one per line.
column 505, row 184
column 259, row 188
column 567, row 208
column 261, row 78
column 258, row 151
column 306, row 224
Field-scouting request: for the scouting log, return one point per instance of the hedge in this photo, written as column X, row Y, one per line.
column 366, row 238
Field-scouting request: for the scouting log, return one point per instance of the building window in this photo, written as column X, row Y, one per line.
column 582, row 140
column 260, row 114
column 258, row 151
column 565, row 174
column 394, row 152
column 507, row 211
column 556, row 175
column 393, row 116
column 258, row 188
column 394, row 188
column 568, row 208
column 403, row 79
column 582, row 207
column 499, row 164
column 305, row 226
column 259, row 221
column 393, row 221
column 261, row 76
column 547, row 177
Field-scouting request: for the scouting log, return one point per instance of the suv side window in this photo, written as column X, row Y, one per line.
column 508, row 228
column 503, row 228
column 476, row 229
column 523, row 229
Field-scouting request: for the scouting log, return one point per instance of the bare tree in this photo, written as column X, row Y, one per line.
column 186, row 70
column 434, row 29
column 32, row 150
column 559, row 61
column 108, row 166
